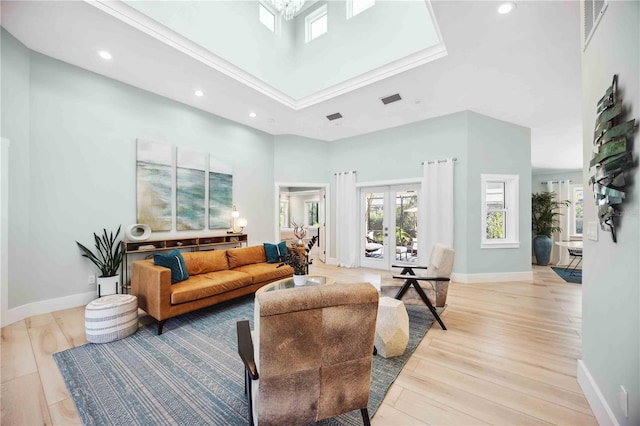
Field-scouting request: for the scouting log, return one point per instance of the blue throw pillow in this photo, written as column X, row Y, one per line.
column 275, row 252
column 174, row 261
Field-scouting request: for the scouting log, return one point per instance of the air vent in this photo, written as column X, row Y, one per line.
column 334, row 116
column 392, row 98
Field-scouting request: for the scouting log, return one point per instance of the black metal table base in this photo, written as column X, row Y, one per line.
column 411, row 279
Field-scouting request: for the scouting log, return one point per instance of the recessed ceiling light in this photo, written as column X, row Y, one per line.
column 105, row 55
column 199, row 93
column 506, row 7
column 253, row 114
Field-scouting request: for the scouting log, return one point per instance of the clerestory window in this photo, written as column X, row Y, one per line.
column 267, row 17
column 316, row 23
column 355, row 7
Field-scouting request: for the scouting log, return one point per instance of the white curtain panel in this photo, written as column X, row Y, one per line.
column 436, row 207
column 346, row 220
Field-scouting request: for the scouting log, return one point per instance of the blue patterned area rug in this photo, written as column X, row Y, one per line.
column 568, row 276
column 191, row 374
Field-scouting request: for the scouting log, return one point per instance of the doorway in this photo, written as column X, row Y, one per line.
column 305, row 206
column 389, row 225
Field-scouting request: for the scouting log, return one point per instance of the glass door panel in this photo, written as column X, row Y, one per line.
column 389, row 226
column 406, row 225
column 374, row 233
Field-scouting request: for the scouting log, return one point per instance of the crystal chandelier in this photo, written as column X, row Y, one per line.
column 288, row 8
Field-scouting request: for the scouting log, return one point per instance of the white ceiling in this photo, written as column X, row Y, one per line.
column 523, row 68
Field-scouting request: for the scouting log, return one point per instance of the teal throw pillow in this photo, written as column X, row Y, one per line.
column 174, row 261
column 275, row 252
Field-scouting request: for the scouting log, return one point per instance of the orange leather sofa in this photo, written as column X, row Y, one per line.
column 214, row 276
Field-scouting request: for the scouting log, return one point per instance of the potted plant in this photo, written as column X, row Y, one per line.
column 108, row 258
column 299, row 262
column 544, row 222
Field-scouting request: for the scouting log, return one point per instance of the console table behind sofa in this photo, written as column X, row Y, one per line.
column 149, row 247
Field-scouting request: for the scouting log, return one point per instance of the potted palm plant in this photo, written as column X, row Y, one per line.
column 108, row 258
column 544, row 222
column 299, row 262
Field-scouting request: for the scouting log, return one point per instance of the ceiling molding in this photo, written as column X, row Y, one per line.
column 396, row 67
column 145, row 24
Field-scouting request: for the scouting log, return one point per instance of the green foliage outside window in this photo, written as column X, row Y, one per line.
column 495, row 225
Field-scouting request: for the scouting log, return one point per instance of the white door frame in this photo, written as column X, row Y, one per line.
column 324, row 231
column 389, row 189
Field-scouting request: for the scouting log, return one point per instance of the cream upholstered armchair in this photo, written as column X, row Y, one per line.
column 309, row 357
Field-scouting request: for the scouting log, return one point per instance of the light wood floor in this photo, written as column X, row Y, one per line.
column 508, row 357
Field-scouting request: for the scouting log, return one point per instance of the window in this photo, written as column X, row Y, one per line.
column 576, row 210
column 356, row 6
column 267, row 17
column 316, row 23
column 500, row 211
column 311, row 208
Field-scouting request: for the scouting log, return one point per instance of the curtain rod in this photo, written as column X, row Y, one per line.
column 439, row 161
column 556, row 181
column 348, row 171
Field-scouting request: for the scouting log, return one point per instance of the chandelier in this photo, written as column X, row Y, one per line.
column 287, row 8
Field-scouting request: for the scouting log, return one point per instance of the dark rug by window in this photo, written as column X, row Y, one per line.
column 568, row 276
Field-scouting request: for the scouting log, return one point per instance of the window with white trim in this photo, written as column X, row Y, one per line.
column 576, row 210
column 355, row 7
column 316, row 23
column 267, row 17
column 500, row 220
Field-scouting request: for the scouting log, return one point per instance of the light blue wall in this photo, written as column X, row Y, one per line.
column 497, row 147
column 75, row 172
column 575, row 176
column 481, row 145
column 300, row 159
column 72, row 168
column 15, row 127
column 611, row 271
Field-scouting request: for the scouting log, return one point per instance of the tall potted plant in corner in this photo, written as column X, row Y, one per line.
column 108, row 258
column 544, row 222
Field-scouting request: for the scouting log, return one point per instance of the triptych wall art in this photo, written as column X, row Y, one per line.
column 159, row 177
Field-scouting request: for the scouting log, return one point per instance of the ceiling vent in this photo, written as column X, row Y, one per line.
column 334, row 116
column 392, row 98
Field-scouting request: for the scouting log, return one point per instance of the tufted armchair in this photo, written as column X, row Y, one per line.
column 309, row 357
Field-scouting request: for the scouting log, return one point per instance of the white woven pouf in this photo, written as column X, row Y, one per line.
column 111, row 318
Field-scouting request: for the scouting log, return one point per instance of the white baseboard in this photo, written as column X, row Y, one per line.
column 331, row 261
column 45, row 306
column 601, row 410
column 490, row 278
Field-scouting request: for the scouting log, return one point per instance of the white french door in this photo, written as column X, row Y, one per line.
column 389, row 225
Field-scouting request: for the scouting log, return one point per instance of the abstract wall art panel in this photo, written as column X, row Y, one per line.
column 154, row 184
column 220, row 192
column 190, row 190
